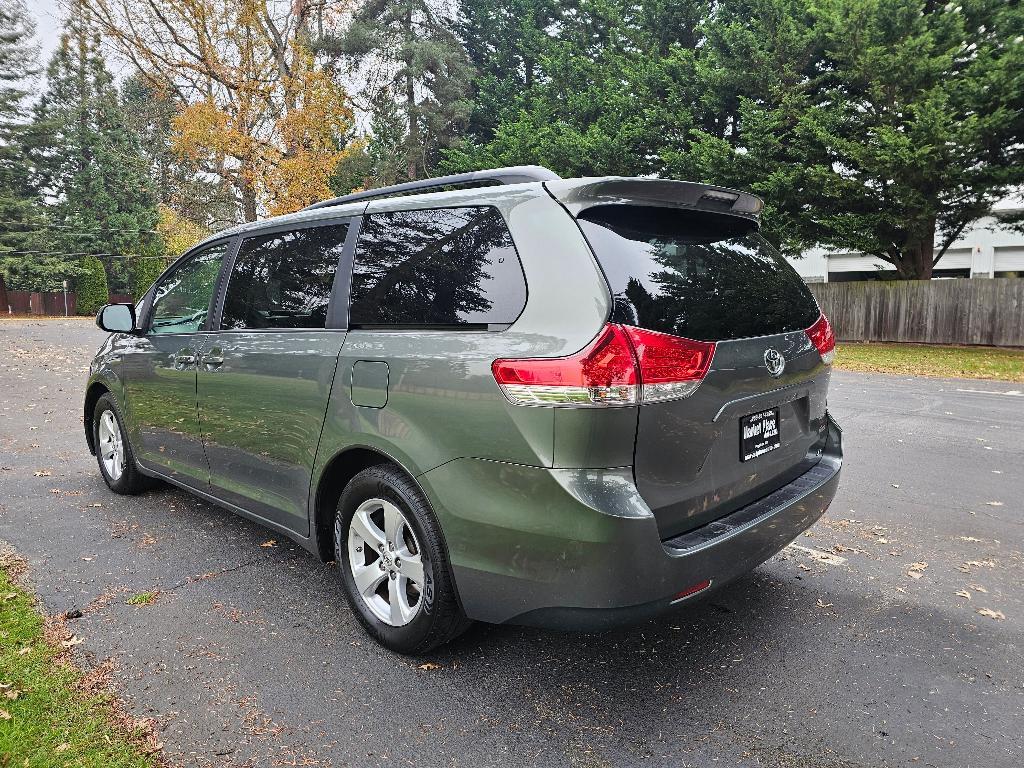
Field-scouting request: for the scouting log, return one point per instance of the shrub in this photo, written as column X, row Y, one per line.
column 143, row 272
column 92, row 286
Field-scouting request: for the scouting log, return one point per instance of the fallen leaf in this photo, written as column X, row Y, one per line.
column 978, row 588
column 10, row 596
column 43, row 473
column 963, row 593
column 918, row 566
column 428, row 666
column 914, row 574
column 22, row 651
column 4, row 714
column 802, row 567
column 994, row 503
column 12, row 694
column 970, row 538
column 269, row 543
column 822, row 604
column 997, row 615
column 62, row 747
column 75, row 640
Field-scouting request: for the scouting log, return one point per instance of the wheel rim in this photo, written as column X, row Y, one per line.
column 111, row 446
column 386, row 562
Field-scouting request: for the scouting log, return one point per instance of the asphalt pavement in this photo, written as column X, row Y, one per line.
column 891, row 634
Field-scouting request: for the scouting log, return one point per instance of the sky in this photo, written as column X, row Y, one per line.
column 48, row 16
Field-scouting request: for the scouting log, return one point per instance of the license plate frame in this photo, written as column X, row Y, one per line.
column 760, row 433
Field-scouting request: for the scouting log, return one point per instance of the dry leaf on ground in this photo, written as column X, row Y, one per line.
column 997, row 615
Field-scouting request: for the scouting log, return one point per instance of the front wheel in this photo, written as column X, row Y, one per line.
column 393, row 565
column 114, row 452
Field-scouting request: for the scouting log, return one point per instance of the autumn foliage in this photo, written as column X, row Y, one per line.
column 257, row 109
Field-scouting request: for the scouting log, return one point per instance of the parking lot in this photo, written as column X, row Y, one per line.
column 890, row 634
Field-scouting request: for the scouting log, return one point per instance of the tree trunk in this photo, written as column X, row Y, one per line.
column 917, row 255
column 249, row 206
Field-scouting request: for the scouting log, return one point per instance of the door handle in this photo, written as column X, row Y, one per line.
column 184, row 358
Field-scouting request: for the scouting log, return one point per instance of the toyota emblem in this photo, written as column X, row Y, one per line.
column 774, row 361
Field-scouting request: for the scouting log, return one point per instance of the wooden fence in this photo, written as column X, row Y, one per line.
column 978, row 311
column 50, row 303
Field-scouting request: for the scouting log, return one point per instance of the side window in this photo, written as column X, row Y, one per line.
column 182, row 300
column 439, row 267
column 284, row 279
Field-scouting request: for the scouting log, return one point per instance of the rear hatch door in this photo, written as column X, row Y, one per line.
column 757, row 420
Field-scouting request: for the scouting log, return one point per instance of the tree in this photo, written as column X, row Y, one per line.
column 506, row 41
column 417, row 76
column 149, row 107
column 256, row 108
column 92, row 292
column 19, row 217
column 606, row 96
column 882, row 126
column 93, row 171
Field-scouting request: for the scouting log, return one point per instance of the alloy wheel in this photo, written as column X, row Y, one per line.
column 386, row 563
column 111, row 446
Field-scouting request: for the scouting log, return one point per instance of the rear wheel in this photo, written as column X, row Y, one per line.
column 392, row 563
column 114, row 452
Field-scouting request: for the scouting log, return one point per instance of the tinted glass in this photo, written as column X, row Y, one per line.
column 442, row 267
column 695, row 275
column 182, row 299
column 284, row 280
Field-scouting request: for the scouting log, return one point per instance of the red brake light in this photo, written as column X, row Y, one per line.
column 609, row 370
column 670, row 366
column 823, row 338
column 602, row 373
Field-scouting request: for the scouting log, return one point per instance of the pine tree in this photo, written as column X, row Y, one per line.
column 149, row 107
column 19, row 204
column 92, row 163
column 506, row 41
column 417, row 69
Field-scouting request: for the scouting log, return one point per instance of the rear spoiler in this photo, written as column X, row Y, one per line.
column 577, row 195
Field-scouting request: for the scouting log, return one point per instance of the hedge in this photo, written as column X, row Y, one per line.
column 92, row 288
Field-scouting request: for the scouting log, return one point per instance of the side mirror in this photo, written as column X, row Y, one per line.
column 116, row 318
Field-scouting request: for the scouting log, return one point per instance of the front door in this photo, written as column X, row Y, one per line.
column 160, row 370
column 265, row 374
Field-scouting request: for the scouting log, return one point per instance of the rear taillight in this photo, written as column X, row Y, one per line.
column 823, row 339
column 622, row 366
column 670, row 366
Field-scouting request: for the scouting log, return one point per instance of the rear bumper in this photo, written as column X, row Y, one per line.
column 579, row 549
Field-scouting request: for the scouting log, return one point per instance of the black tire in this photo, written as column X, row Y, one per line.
column 440, row 617
column 131, row 481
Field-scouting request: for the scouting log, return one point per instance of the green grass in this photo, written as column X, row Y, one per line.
column 931, row 360
column 143, row 598
column 47, row 717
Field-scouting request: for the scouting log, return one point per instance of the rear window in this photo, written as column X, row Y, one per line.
column 445, row 267
column 696, row 275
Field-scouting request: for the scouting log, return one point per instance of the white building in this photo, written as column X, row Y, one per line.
column 989, row 249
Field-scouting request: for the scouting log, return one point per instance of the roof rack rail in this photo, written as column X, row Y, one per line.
column 517, row 174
